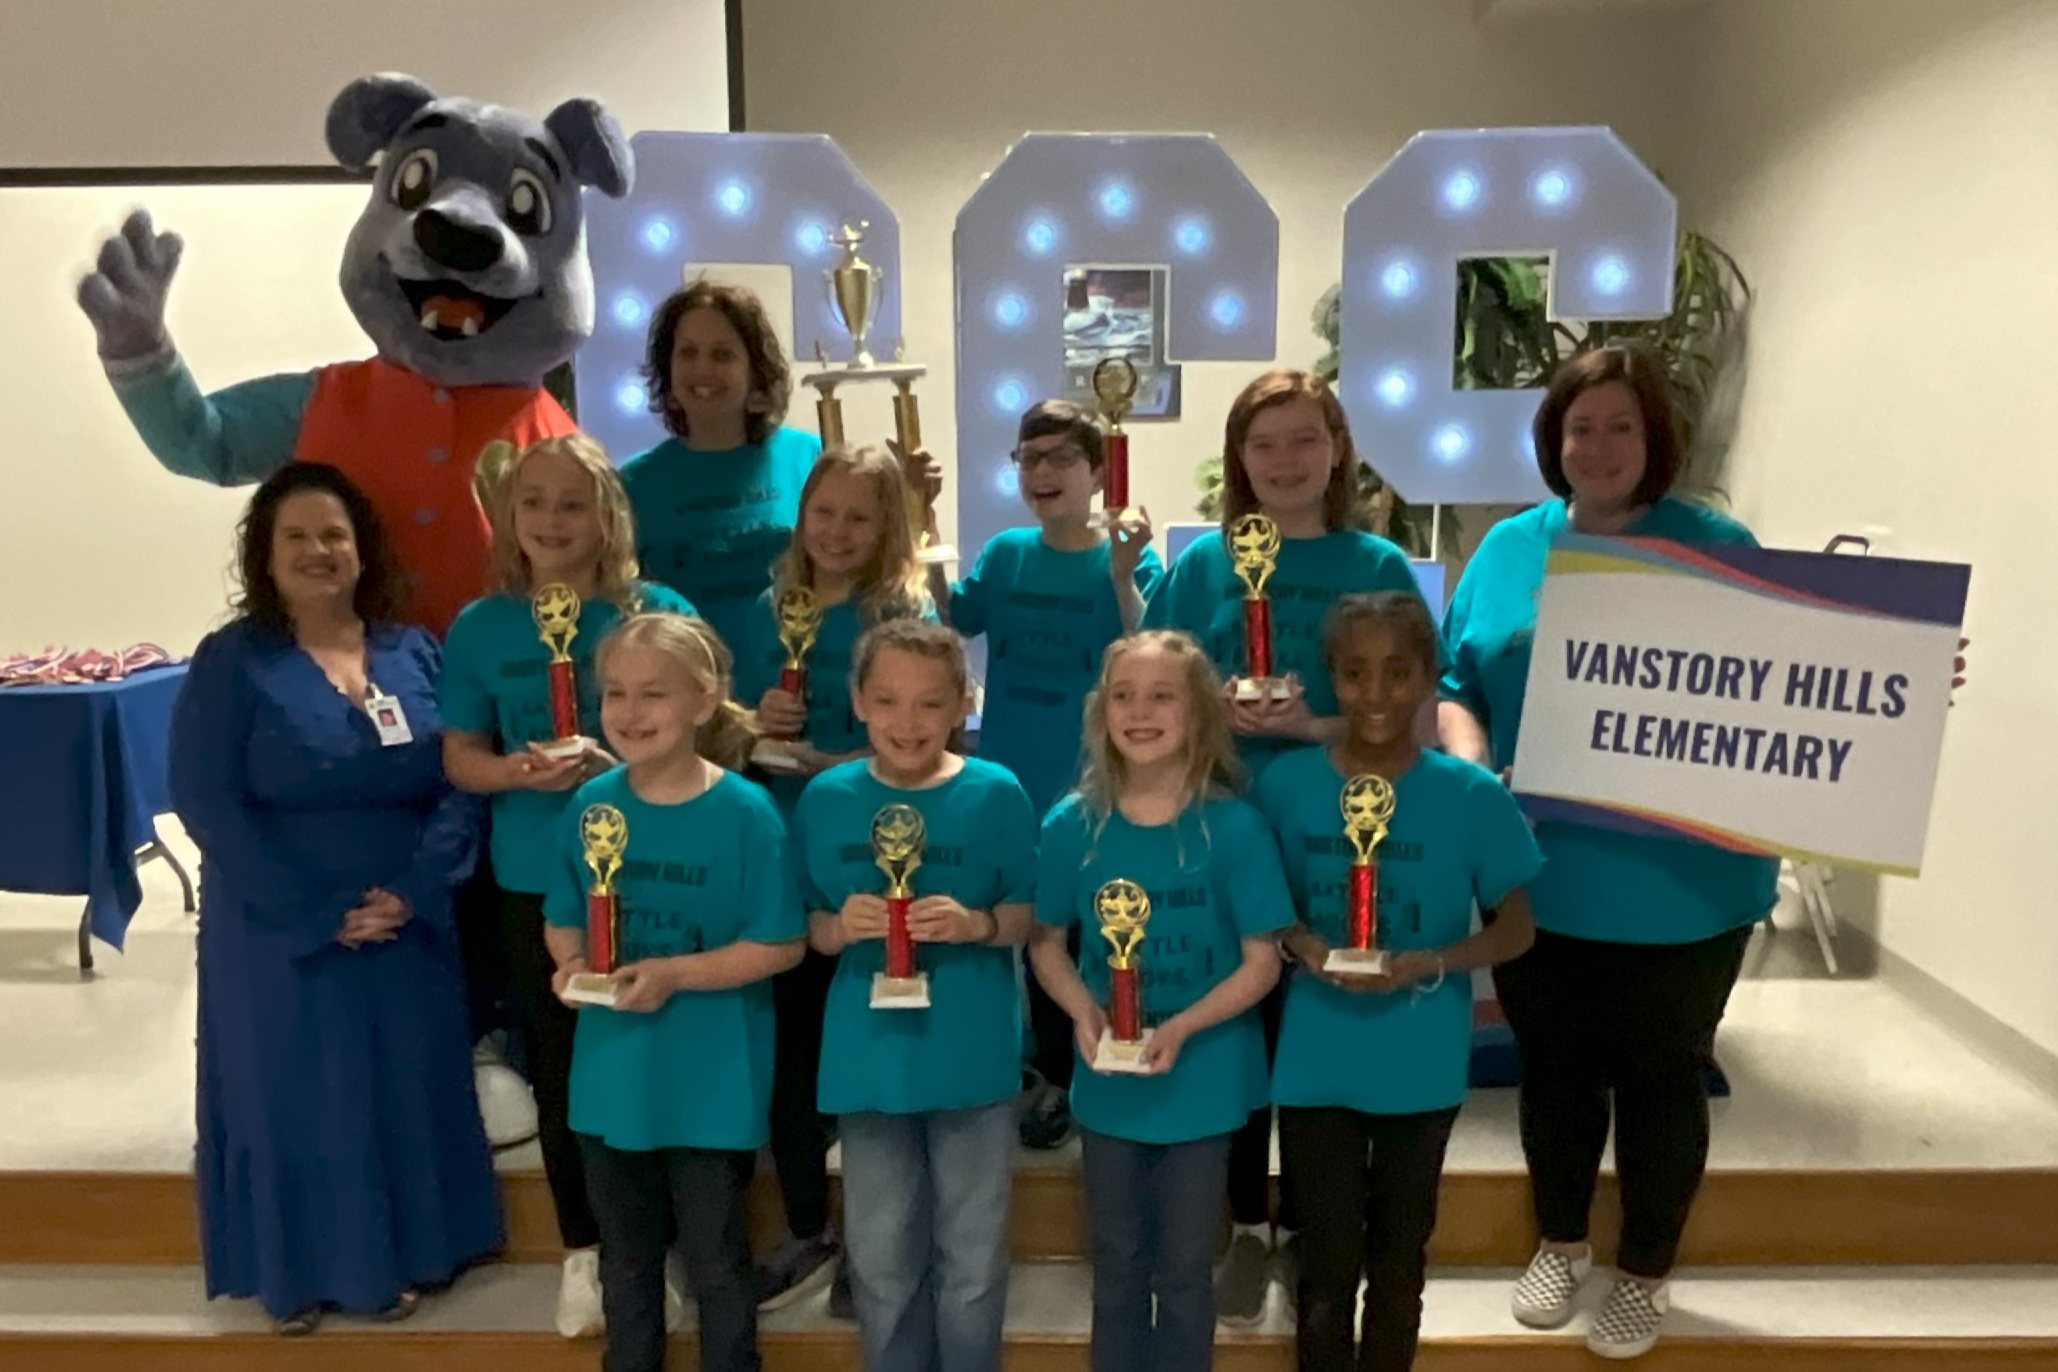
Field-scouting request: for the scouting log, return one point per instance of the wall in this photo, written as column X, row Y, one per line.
column 1309, row 96
column 1888, row 169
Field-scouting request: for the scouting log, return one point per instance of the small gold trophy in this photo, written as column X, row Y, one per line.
column 854, row 299
column 555, row 609
column 1114, row 388
column 1254, row 552
column 1123, row 909
column 898, row 837
column 799, row 613
column 1367, row 804
column 603, row 837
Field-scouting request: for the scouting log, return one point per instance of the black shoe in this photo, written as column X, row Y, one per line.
column 795, row 1268
column 1047, row 1123
column 842, row 1304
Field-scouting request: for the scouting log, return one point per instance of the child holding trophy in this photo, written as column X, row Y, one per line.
column 671, row 889
column 522, row 709
column 1387, row 846
column 1178, row 889
column 919, row 866
column 1254, row 594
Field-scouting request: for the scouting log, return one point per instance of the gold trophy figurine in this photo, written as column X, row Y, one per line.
column 898, row 837
column 853, row 288
column 1367, row 803
column 1254, row 542
column 555, row 608
column 799, row 613
column 1123, row 910
column 603, row 838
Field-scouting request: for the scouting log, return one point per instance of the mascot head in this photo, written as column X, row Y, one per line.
column 469, row 264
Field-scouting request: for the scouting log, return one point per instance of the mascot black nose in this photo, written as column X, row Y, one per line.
column 456, row 246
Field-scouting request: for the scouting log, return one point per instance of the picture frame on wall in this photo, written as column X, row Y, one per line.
column 1119, row 311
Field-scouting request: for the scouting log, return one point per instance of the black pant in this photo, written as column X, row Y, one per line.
column 488, row 979
column 639, row 1197
column 800, row 1132
column 1156, row 1215
column 1250, row 1147
column 1050, row 1028
column 550, row 1025
column 1369, row 1217
column 1638, row 1020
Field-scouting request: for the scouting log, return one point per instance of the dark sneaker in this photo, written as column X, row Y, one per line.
column 1240, row 1283
column 842, row 1304
column 1047, row 1123
column 795, row 1268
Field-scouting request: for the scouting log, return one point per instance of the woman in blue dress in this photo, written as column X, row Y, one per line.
column 341, row 1160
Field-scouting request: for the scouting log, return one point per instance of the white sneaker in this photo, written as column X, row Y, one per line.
column 675, row 1293
column 579, row 1314
column 1543, row 1298
column 506, row 1105
column 1628, row 1324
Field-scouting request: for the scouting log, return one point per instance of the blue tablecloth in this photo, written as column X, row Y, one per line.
column 82, row 778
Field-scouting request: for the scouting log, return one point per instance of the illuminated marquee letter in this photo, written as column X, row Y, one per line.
column 1574, row 195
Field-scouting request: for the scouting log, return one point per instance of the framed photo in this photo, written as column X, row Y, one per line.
column 1114, row 311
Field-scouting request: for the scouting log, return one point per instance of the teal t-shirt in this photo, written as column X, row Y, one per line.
column 708, row 524
column 1213, row 878
column 496, row 682
column 702, row 874
column 1596, row 883
column 1202, row 595
column 1048, row 616
column 964, row 1048
column 1457, row 837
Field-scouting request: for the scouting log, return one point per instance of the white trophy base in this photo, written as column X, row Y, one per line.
column 590, row 988
column 1128, row 517
column 900, row 993
column 1355, row 962
column 936, row 554
column 566, row 747
column 1262, row 688
column 1112, row 1056
column 777, row 755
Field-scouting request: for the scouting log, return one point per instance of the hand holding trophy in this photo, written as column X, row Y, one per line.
column 799, row 614
column 604, row 837
column 1254, row 542
column 555, row 608
column 898, row 837
column 1367, row 803
column 854, row 299
column 1114, row 388
column 1123, row 910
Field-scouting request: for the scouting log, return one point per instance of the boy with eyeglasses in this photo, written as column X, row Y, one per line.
column 1050, row 598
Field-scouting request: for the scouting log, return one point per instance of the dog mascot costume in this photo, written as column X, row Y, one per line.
column 468, row 269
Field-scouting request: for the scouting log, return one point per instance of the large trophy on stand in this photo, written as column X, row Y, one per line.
column 853, row 287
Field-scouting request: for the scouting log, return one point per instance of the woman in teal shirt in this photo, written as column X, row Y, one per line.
column 1639, row 939
column 1154, row 807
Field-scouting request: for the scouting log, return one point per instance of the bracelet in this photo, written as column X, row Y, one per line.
column 1425, row 990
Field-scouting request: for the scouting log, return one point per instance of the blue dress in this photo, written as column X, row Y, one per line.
column 341, row 1158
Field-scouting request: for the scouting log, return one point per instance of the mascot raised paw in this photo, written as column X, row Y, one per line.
column 468, row 269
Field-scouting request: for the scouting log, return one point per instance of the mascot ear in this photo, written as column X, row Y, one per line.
column 593, row 140
column 370, row 110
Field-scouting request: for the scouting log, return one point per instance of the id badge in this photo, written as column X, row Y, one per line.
column 389, row 719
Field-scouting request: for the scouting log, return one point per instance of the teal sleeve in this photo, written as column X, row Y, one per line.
column 463, row 694
column 770, row 889
column 1057, row 865
column 1460, row 672
column 1273, row 798
column 564, row 895
column 1393, row 572
column 1150, row 573
column 1161, row 604
column 232, row 437
column 807, row 893
column 654, row 596
column 968, row 597
column 1015, row 818
column 752, row 651
column 1259, row 902
column 1505, row 854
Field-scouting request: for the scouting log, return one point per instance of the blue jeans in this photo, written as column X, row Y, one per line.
column 1155, row 1211
column 925, row 1217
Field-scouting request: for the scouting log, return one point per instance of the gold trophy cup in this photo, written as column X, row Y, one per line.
column 898, row 837
column 853, row 286
column 1254, row 542
column 799, row 615
column 1367, row 803
column 1123, row 910
column 555, row 608
column 1114, row 389
column 603, row 838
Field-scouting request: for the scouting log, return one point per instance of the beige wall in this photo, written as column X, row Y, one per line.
column 1309, row 96
column 153, row 82
column 1889, row 171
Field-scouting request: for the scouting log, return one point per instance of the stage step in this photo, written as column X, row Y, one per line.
column 1744, row 1217
column 114, row 1319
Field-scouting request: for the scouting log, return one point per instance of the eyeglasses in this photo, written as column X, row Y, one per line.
column 1063, row 457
